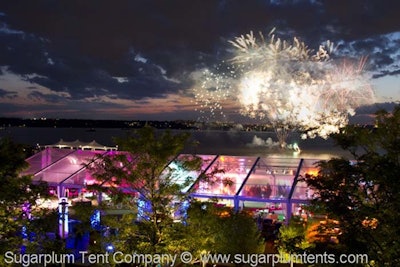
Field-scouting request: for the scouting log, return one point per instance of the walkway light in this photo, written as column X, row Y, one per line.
column 63, row 217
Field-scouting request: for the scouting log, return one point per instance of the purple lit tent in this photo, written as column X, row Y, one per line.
column 268, row 183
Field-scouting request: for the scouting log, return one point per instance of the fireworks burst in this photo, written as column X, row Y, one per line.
column 287, row 85
column 213, row 93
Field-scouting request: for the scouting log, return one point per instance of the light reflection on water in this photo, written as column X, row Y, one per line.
column 210, row 141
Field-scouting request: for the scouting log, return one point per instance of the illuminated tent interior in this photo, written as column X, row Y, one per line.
column 255, row 183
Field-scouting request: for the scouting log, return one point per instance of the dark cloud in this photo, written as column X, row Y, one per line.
column 359, row 19
column 382, row 60
column 366, row 114
column 65, row 71
column 105, row 30
column 134, row 49
column 22, row 53
column 7, row 94
column 51, row 98
column 372, row 109
column 381, row 51
column 386, row 73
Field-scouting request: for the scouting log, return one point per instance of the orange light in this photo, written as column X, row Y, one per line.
column 313, row 172
column 224, row 214
column 370, row 223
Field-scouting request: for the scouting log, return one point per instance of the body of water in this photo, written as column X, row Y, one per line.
column 210, row 141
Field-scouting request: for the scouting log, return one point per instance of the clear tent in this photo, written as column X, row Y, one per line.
column 246, row 181
column 62, row 166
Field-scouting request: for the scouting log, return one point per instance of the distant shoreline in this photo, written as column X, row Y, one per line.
column 211, row 141
column 92, row 125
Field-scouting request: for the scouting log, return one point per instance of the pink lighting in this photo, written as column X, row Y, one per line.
column 246, row 181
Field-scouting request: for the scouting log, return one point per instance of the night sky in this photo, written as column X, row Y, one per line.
column 135, row 59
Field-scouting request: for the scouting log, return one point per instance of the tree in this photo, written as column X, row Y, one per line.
column 292, row 237
column 212, row 229
column 199, row 234
column 363, row 194
column 145, row 174
column 19, row 212
column 239, row 234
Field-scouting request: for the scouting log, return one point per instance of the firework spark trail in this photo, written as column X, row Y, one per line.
column 280, row 80
column 347, row 87
column 211, row 94
column 288, row 86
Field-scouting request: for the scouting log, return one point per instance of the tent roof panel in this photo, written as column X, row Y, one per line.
column 45, row 158
column 63, row 168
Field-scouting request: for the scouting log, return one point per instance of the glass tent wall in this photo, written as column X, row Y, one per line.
column 45, row 158
column 258, row 183
column 227, row 181
column 182, row 177
column 56, row 166
column 238, row 181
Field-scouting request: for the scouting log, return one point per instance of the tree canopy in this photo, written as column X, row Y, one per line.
column 18, row 200
column 144, row 173
column 363, row 193
column 151, row 179
column 212, row 228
